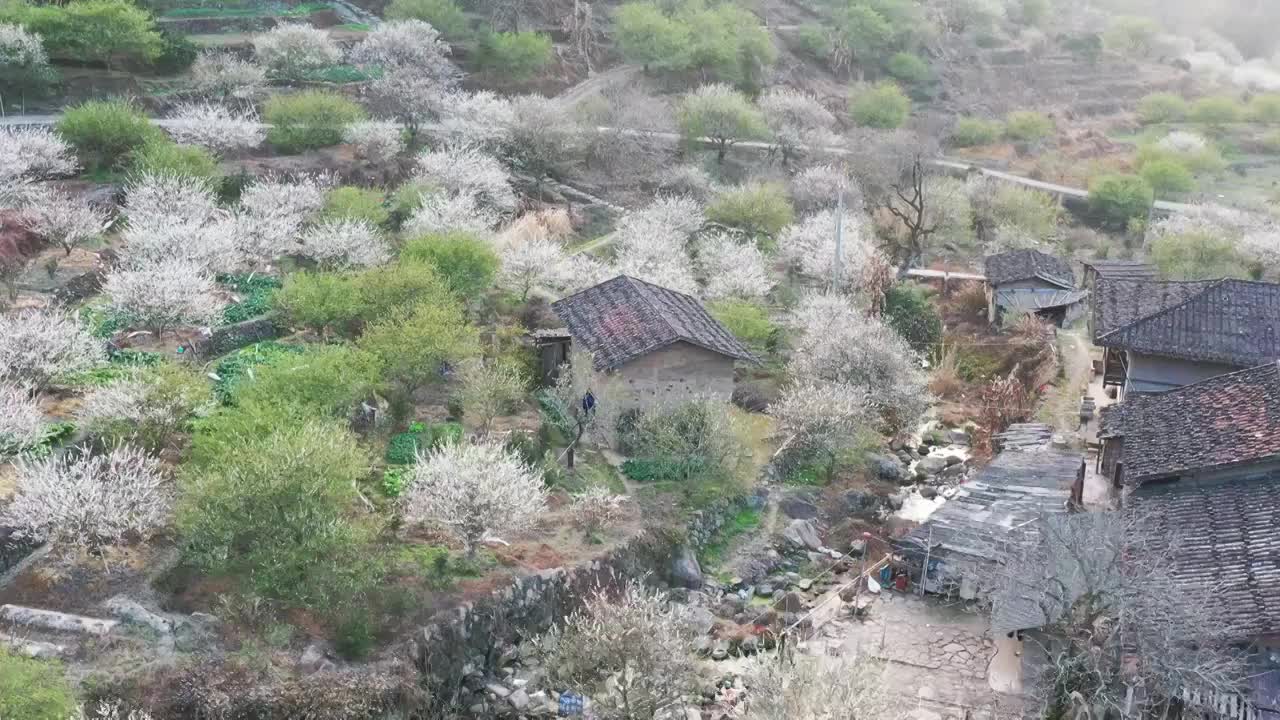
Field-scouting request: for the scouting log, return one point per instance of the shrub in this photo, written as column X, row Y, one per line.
column 909, row 69
column 882, row 106
column 1027, row 126
column 761, row 209
column 321, row 302
column 444, row 15
column 309, row 120
column 355, row 203
column 1215, row 110
column 646, row 36
column 748, row 321
column 1167, row 175
column 177, row 53
column 322, row 379
column 1197, row 256
column 701, row 445
column 465, row 262
column 1206, row 159
column 272, row 510
column 815, row 40
column 1130, row 35
column 515, row 55
column 1265, row 108
column 1162, row 108
column 33, row 689
column 1114, row 200
column 909, row 311
column 163, row 156
column 104, row 31
column 106, row 133
column 971, row 132
column 146, row 408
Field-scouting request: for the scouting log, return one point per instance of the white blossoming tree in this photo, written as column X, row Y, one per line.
column 37, row 346
column 543, row 139
column 810, row 248
column 175, row 217
column 145, row 408
column 443, row 212
column 529, row 263
column 345, row 243
column 222, row 74
column 1263, row 246
column 274, row 210
column 475, row 491
column 215, row 128
column 24, row 64
column 164, row 294
column 818, row 688
column 375, row 141
column 838, row 344
column 34, row 154
column 652, row 243
column 595, row 509
column 470, row 172
column 63, row 218
column 579, row 272
column 797, row 120
column 292, row 50
column 820, row 419
column 21, row 422
column 168, row 200
column 90, row 500
column 818, row 187
column 583, row 402
column 481, row 119
column 732, row 267
column 408, row 45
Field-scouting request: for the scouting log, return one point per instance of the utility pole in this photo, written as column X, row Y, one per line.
column 837, row 263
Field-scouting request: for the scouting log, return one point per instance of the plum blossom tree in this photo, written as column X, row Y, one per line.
column 817, row 688
column 583, row 402
column 375, row 141
column 411, row 45
column 528, row 263
column 486, row 389
column 89, row 500
column 595, row 509
column 345, row 243
column 797, row 120
column 732, row 267
column 175, row 217
column 165, row 200
column 37, row 346
column 836, row 343
column 21, row 422
column 215, row 128
column 62, row 218
column 164, row 294
column 413, row 98
column 475, row 491
column 634, row 655
column 818, row 187
column 222, row 74
column 24, row 64
column 34, row 153
column 468, row 171
column 1263, row 246
column 579, row 272
column 810, row 248
column 481, row 119
column 273, row 211
column 442, row 212
column 294, row 49
column 144, row 408
column 820, row 418
column 543, row 139
column 652, row 243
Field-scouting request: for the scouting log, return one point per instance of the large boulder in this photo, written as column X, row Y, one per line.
column 862, row 502
column 799, row 506
column 887, row 468
column 802, row 535
column 685, row 570
column 931, row 465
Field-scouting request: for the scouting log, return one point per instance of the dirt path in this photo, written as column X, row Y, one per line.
column 596, row 83
column 1060, row 407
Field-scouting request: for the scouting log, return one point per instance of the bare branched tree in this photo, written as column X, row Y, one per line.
column 819, row 688
column 1115, row 625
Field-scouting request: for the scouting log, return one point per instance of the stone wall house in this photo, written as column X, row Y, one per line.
column 663, row 345
column 1160, row 335
column 1029, row 281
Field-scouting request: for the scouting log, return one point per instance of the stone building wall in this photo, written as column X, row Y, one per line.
column 475, row 636
column 677, row 372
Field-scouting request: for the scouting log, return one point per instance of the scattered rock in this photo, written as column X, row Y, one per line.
column 928, row 493
column 749, row 646
column 720, row 651
column 519, row 700
column 805, row 584
column 764, row 590
column 802, row 534
column 702, row 619
column 931, row 465
column 56, row 621
column 887, row 467
column 132, row 612
column 685, row 570
column 790, row 603
column 954, row 460
column 800, row 508
column 314, row 659
column 497, row 690
column 958, row 437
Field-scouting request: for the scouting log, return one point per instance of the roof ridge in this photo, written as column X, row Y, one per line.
column 1162, row 311
column 643, row 289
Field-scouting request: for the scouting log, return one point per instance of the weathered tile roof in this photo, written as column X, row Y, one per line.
column 624, row 318
column 1123, row 269
column 1227, row 541
column 1236, row 322
column 1018, row 265
column 1224, row 421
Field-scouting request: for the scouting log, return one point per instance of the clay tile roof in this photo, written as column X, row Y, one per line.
column 1019, row 265
column 624, row 318
column 1225, row 421
column 1235, row 322
column 1123, row 269
column 1226, row 543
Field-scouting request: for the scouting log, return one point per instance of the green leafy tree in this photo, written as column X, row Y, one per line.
column 444, row 15
column 908, row 310
column 1166, row 175
column 273, row 511
column 465, row 262
column 648, row 37
column 356, row 203
column 748, row 321
column 321, row 302
column 515, row 55
column 760, row 209
column 909, row 68
column 162, row 155
column 326, row 379
column 105, row 31
column 1130, row 35
column 33, row 689
column 722, row 115
column 883, row 106
column 415, row 344
column 309, row 120
column 1197, row 256
column 864, row 33
column 105, row 133
column 24, row 64
column 1162, row 107
column 729, row 44
column 1265, row 108
column 1115, row 200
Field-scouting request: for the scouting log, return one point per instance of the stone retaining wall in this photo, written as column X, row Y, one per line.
column 475, row 636
column 233, row 337
column 13, row 550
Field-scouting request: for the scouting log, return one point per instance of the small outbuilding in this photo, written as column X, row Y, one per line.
column 1029, row 281
column 662, row 344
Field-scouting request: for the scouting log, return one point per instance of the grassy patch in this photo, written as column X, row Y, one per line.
column 744, row 520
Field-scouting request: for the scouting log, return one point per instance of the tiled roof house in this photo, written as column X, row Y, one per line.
column 1161, row 335
column 659, row 342
column 1031, row 281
